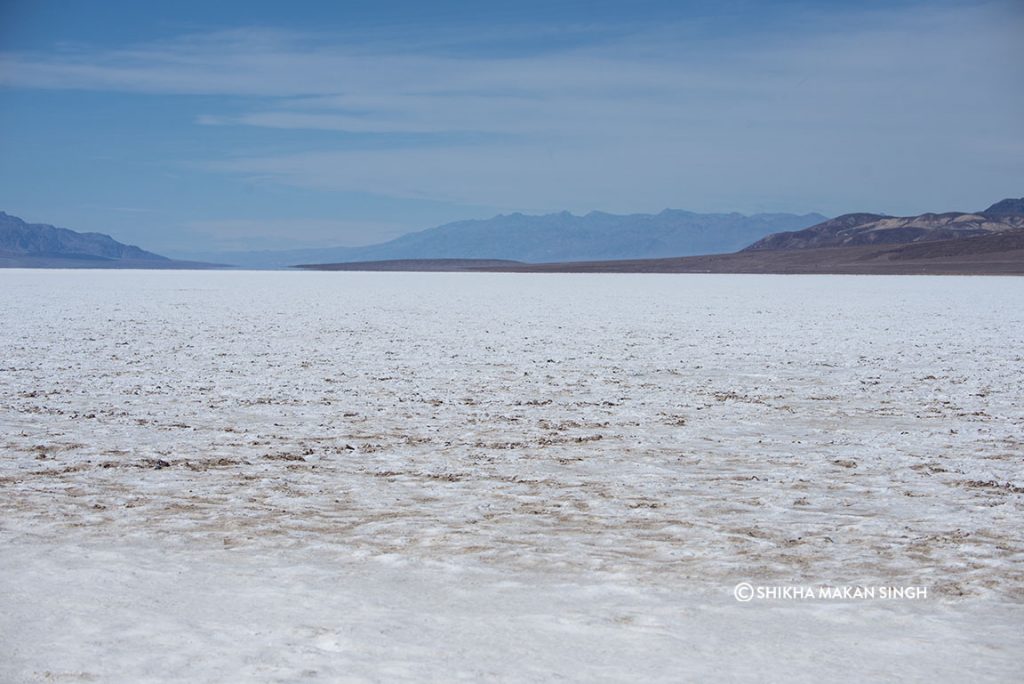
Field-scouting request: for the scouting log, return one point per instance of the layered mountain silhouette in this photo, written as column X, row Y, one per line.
column 39, row 245
column 989, row 241
column 550, row 237
column 986, row 242
column 597, row 235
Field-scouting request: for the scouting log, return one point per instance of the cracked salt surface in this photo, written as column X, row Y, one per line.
column 303, row 476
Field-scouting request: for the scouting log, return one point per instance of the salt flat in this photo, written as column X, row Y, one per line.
column 232, row 476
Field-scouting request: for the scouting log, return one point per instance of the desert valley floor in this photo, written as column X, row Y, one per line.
column 274, row 476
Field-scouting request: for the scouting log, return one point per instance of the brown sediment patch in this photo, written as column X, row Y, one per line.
column 992, row 485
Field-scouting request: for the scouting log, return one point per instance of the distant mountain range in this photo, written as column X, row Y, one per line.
column 989, row 241
column 986, row 242
column 39, row 245
column 549, row 237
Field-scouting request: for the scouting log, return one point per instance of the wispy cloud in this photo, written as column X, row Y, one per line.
column 656, row 117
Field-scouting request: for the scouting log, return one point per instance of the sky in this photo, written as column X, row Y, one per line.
column 198, row 126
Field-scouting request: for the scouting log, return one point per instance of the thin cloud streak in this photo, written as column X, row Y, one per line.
column 898, row 105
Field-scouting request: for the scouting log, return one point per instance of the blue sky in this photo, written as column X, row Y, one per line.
column 251, row 125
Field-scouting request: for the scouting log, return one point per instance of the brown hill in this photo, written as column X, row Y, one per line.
column 874, row 229
column 993, row 254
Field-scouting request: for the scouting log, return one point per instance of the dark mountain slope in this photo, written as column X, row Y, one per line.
column 18, row 238
column 1006, row 207
column 39, row 245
